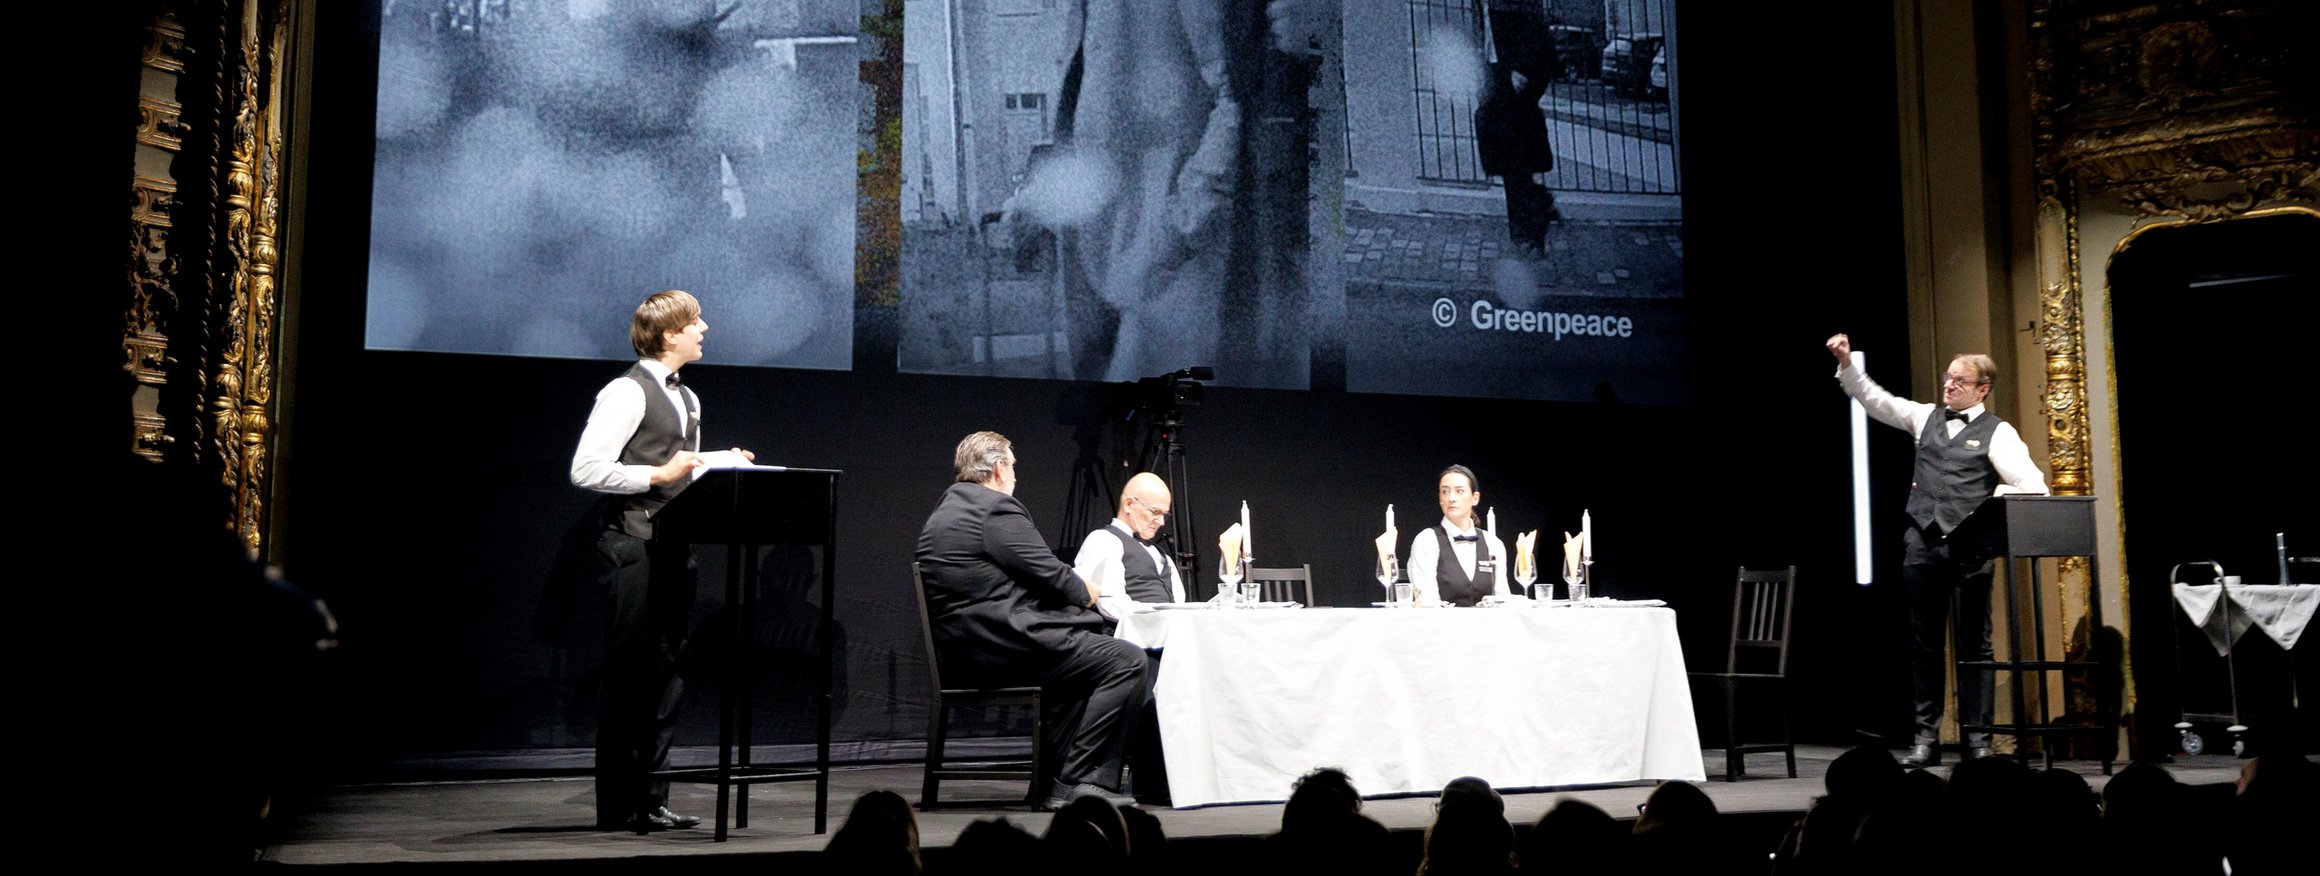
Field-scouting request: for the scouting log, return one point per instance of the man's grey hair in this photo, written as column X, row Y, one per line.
column 979, row 454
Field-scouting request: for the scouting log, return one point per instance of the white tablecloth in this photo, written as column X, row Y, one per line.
column 2281, row 611
column 1404, row 700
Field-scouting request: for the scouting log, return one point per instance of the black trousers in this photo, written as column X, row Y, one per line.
column 1933, row 583
column 649, row 589
column 1088, row 705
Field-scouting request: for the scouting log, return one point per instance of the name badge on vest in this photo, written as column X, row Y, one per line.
column 1974, row 443
column 1484, row 567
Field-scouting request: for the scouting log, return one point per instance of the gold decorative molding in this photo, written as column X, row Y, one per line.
column 245, row 373
column 158, row 124
column 2182, row 109
column 198, row 332
column 165, row 45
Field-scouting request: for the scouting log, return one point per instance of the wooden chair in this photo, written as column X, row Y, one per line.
column 948, row 698
column 1759, row 653
column 1290, row 584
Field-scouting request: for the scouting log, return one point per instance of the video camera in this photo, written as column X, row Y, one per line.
column 1165, row 396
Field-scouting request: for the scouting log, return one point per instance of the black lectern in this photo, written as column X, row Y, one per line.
column 743, row 509
column 2028, row 527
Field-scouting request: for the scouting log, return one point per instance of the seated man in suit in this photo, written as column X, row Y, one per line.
column 1457, row 562
column 1121, row 560
column 1007, row 612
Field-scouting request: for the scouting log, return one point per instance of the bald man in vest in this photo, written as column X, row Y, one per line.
column 1965, row 454
column 1122, row 560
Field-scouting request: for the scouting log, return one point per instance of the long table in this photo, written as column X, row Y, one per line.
column 1406, row 699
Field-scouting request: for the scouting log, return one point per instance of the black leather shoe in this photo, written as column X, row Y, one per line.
column 675, row 820
column 660, row 818
column 1922, row 756
column 1060, row 795
column 647, row 822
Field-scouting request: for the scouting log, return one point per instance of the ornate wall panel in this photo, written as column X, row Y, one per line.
column 2197, row 110
column 198, row 329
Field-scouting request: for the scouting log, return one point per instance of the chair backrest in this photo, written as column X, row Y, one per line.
column 1289, row 584
column 1760, row 615
column 926, row 631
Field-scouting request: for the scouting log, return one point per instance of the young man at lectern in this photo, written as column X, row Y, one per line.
column 1965, row 454
column 641, row 447
column 1457, row 562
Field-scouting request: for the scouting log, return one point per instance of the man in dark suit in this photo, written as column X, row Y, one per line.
column 1007, row 612
column 1510, row 129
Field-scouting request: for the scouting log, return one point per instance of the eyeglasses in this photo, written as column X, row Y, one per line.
column 1960, row 380
column 1157, row 513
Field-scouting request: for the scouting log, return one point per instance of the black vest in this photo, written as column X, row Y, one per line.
column 1450, row 575
column 659, row 435
column 1953, row 475
column 1146, row 583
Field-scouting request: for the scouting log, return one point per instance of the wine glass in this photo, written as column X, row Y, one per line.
column 1229, row 570
column 1575, row 575
column 1527, row 571
column 1397, row 590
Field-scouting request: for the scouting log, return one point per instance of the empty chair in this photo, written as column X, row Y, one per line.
column 1291, row 584
column 1759, row 654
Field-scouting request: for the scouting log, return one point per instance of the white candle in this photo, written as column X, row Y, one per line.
column 1490, row 520
column 1247, row 550
column 1586, row 537
column 1389, row 517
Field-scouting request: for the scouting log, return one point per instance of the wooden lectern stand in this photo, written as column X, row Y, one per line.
column 743, row 509
column 2028, row 527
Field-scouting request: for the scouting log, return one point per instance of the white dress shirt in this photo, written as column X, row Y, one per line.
column 1098, row 561
column 619, row 408
column 1426, row 557
column 2008, row 454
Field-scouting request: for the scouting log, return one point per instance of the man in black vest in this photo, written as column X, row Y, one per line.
column 1965, row 454
column 1007, row 612
column 641, row 447
column 1121, row 559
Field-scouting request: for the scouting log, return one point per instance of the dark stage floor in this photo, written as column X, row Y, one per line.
column 552, row 819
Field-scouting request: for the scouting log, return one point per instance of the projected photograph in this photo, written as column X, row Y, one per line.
column 1513, row 207
column 541, row 167
column 1109, row 190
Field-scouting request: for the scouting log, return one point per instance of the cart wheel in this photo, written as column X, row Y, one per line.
column 2192, row 744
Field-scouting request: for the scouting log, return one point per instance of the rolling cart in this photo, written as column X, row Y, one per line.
column 2225, row 610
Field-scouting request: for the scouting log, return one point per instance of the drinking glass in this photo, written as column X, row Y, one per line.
column 1230, row 573
column 1524, row 574
column 1389, row 571
column 1581, row 588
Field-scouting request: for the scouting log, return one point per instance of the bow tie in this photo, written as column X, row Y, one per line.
column 1466, row 538
column 672, row 380
column 1948, row 414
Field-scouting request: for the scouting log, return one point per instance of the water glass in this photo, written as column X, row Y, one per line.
column 1403, row 594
